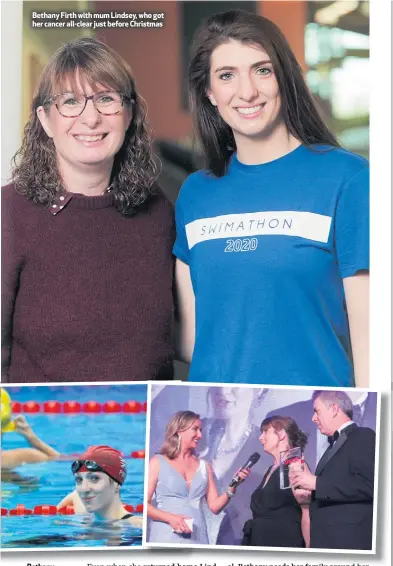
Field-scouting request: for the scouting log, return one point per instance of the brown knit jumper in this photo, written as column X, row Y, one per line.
column 87, row 292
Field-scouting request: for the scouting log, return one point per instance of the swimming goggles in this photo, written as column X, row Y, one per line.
column 91, row 466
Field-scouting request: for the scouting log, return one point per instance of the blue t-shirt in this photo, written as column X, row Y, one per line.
column 268, row 247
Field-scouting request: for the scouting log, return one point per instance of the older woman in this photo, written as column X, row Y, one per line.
column 87, row 265
column 279, row 516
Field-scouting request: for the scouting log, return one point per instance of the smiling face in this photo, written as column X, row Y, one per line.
column 228, row 402
column 90, row 139
column 96, row 490
column 191, row 436
column 325, row 417
column 244, row 88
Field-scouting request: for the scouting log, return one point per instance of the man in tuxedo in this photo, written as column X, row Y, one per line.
column 364, row 406
column 341, row 509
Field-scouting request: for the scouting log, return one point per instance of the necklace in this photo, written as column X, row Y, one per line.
column 238, row 445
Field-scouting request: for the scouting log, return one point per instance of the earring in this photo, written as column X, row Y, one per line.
column 178, row 442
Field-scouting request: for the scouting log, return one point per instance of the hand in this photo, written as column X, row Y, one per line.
column 242, row 474
column 303, row 479
column 178, row 524
column 302, row 496
column 23, row 427
column 298, row 465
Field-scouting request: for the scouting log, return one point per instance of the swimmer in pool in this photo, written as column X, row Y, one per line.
column 38, row 451
column 99, row 474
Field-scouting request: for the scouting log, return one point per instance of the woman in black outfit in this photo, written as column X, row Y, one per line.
column 278, row 517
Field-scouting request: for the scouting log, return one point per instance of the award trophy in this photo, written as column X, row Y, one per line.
column 292, row 457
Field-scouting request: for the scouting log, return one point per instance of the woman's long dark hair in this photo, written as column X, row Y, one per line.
column 298, row 109
column 35, row 171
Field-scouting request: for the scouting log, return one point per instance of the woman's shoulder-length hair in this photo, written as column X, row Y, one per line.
column 179, row 422
column 298, row 109
column 86, row 61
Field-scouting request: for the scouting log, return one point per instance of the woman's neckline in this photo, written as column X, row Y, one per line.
column 294, row 153
column 268, row 477
column 79, row 200
column 188, row 484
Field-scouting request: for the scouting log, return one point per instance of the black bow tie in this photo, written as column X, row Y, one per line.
column 332, row 439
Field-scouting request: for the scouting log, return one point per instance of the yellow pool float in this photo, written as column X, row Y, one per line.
column 7, row 425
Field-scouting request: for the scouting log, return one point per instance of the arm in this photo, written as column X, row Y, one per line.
column 352, row 243
column 39, row 451
column 12, row 262
column 185, row 303
column 305, row 524
column 13, row 458
column 67, row 500
column 216, row 502
column 23, row 427
column 303, row 497
column 75, row 501
column 176, row 521
column 357, row 299
column 135, row 521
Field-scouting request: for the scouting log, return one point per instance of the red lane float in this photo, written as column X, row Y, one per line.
column 138, row 454
column 45, row 510
column 31, row 407
column 111, row 407
column 68, row 510
column 53, row 407
column 21, row 511
column 72, row 407
column 132, row 407
column 92, row 407
column 16, row 407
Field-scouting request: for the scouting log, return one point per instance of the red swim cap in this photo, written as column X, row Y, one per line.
column 109, row 459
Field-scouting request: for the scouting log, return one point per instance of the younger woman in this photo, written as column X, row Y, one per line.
column 180, row 481
column 99, row 474
column 272, row 238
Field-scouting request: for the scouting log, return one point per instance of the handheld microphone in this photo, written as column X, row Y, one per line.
column 253, row 459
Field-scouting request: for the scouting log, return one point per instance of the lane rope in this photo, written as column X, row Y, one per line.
column 74, row 407
column 21, row 511
column 137, row 454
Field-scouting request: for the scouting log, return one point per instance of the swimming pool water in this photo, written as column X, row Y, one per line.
column 48, row 482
